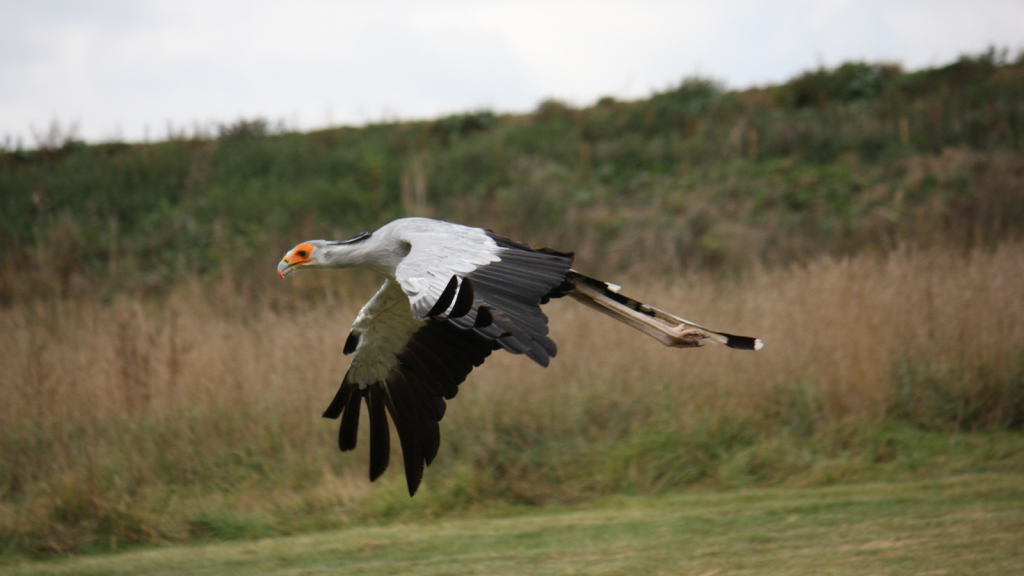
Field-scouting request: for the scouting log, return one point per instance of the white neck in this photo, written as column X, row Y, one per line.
column 381, row 253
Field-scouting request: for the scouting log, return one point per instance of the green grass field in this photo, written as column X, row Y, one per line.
column 969, row 524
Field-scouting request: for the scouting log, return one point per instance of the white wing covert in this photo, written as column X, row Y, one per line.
column 453, row 271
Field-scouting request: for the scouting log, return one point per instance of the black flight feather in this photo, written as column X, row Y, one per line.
column 350, row 343
column 446, row 298
column 464, row 303
column 483, row 318
column 339, row 402
column 348, row 433
column 380, row 434
column 400, row 405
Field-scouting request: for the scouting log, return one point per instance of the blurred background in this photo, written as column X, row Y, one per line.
column 844, row 180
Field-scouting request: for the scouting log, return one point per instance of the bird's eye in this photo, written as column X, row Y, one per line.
column 302, row 253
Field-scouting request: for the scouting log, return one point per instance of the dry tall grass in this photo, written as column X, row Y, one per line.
column 138, row 419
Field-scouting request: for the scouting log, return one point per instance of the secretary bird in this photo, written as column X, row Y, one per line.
column 452, row 294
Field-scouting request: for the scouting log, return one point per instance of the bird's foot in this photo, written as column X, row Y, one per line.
column 683, row 337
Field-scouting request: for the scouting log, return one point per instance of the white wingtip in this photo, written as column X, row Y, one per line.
column 758, row 344
column 613, row 287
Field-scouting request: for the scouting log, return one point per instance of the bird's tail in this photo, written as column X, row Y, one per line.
column 667, row 328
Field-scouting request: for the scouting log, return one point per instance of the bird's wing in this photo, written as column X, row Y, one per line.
column 483, row 282
column 406, row 367
column 460, row 294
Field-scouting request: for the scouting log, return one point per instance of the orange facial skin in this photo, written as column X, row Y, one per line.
column 300, row 255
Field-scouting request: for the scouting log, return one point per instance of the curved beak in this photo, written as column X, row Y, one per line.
column 285, row 268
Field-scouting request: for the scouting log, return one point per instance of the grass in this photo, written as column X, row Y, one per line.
column 196, row 415
column 970, row 524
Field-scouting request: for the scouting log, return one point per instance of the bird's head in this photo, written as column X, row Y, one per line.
column 308, row 253
column 327, row 254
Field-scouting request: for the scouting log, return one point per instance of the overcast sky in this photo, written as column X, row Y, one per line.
column 121, row 70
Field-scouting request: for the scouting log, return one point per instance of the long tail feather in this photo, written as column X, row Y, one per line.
column 605, row 298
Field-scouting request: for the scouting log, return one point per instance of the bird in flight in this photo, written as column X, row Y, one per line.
column 453, row 294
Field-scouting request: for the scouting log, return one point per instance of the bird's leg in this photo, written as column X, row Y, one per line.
column 686, row 337
column 654, row 323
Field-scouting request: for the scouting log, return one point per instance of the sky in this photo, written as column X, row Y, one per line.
column 129, row 70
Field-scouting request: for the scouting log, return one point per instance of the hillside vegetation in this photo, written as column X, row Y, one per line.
column 864, row 156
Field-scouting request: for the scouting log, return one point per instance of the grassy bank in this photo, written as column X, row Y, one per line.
column 196, row 415
column 963, row 525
